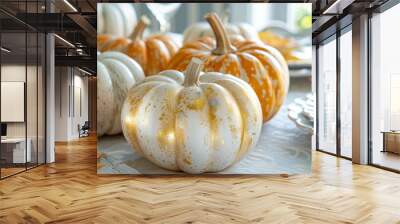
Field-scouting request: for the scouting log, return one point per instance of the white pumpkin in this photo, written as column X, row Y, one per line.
column 181, row 122
column 202, row 29
column 116, row 19
column 116, row 73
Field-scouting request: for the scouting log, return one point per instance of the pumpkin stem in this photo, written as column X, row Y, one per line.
column 193, row 72
column 224, row 45
column 137, row 33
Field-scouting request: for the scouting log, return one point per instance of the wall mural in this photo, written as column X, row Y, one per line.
column 211, row 95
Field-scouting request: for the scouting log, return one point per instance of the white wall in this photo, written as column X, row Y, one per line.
column 69, row 85
column 62, row 82
column 33, row 126
column 12, row 73
column 79, row 117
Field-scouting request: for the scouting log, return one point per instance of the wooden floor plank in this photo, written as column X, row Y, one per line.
column 70, row 191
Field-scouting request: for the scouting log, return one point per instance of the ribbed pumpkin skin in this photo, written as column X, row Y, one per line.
column 102, row 39
column 181, row 122
column 263, row 67
column 116, row 73
column 152, row 53
column 116, row 19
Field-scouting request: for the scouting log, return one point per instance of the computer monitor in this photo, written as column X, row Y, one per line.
column 3, row 129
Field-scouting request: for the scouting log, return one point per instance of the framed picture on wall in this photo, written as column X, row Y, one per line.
column 211, row 95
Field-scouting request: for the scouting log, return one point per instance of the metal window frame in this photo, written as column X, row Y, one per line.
column 339, row 32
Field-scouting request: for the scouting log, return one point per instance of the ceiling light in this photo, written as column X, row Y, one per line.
column 70, row 5
column 65, row 41
column 79, row 51
column 5, row 50
column 84, row 71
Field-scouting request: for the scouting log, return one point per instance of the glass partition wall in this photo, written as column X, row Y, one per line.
column 13, row 111
column 346, row 95
column 385, row 89
column 334, row 94
column 22, row 77
column 335, row 108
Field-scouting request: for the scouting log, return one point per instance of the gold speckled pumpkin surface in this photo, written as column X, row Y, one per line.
column 194, row 122
column 262, row 66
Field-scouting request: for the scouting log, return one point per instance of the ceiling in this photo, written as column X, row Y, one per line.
column 331, row 15
column 72, row 20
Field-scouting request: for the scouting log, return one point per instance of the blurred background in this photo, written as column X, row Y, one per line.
column 287, row 27
column 260, row 15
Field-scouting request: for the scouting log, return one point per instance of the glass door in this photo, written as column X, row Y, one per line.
column 327, row 96
column 22, row 78
column 385, row 89
column 334, row 78
column 346, row 92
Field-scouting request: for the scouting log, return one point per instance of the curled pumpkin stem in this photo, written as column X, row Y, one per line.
column 137, row 33
column 224, row 45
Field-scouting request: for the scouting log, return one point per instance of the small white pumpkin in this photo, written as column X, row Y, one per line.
column 116, row 73
column 116, row 19
column 202, row 29
column 196, row 125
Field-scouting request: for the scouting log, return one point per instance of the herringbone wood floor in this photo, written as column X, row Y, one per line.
column 69, row 191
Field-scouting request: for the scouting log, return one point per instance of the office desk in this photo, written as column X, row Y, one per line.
column 13, row 150
column 391, row 141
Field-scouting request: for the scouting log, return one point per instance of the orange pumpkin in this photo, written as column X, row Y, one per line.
column 153, row 53
column 285, row 45
column 262, row 66
column 102, row 39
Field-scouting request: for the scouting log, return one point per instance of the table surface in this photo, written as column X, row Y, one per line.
column 391, row 132
column 13, row 140
column 282, row 148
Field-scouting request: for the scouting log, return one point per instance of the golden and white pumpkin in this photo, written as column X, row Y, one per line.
column 196, row 125
column 116, row 19
column 116, row 73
